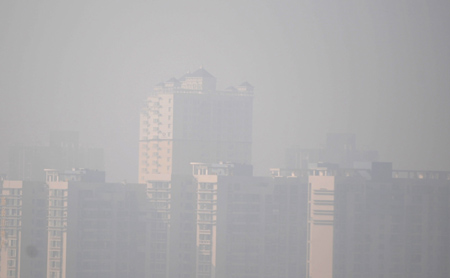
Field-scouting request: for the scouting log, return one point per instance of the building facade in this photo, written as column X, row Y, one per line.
column 70, row 227
column 375, row 222
column 221, row 221
column 187, row 120
column 23, row 229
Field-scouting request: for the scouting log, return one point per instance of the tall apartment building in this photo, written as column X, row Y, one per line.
column 374, row 222
column 172, row 227
column 70, row 226
column 187, row 120
column 249, row 226
column 23, row 229
column 220, row 221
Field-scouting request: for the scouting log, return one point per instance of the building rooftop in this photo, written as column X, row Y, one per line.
column 367, row 174
column 173, row 80
column 201, row 72
column 246, row 84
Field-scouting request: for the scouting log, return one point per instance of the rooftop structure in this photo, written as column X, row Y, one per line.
column 81, row 175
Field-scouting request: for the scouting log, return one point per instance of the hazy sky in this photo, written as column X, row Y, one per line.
column 380, row 69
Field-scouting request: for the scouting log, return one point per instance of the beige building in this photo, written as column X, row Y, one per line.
column 223, row 222
column 69, row 227
column 23, row 229
column 374, row 222
column 249, row 226
column 187, row 119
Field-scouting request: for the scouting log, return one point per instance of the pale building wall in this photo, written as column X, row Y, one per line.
column 156, row 136
column 363, row 223
column 57, row 210
column 23, row 229
column 320, row 227
column 206, row 226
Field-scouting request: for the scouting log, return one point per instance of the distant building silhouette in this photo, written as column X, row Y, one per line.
column 27, row 163
column 340, row 149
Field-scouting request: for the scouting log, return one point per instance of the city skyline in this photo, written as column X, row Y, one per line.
column 200, row 212
column 319, row 151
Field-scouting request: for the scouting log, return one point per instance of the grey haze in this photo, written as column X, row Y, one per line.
column 375, row 68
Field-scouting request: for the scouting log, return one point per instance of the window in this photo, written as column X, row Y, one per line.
column 204, row 258
column 13, row 242
column 56, row 233
column 12, row 253
column 204, row 247
column 54, row 254
column 205, row 206
column 209, row 186
column 56, row 243
column 205, row 237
